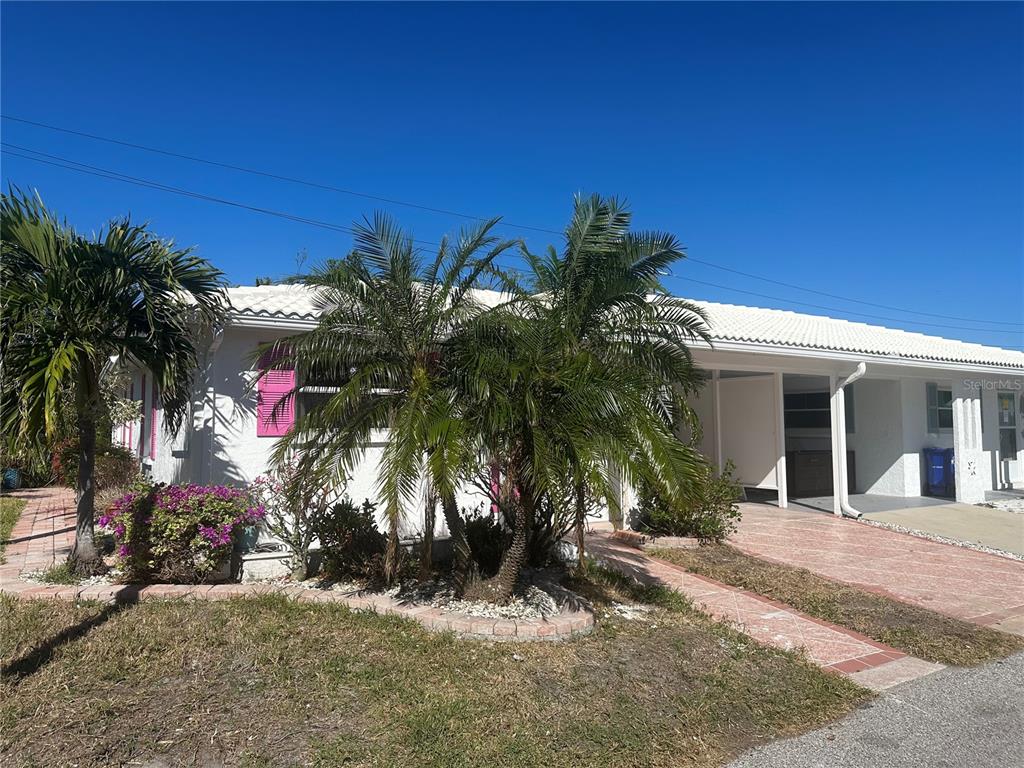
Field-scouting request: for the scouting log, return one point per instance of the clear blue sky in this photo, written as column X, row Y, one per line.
column 874, row 151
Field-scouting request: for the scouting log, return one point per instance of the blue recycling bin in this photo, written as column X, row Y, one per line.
column 939, row 475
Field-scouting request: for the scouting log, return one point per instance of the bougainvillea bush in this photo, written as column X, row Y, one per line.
column 179, row 534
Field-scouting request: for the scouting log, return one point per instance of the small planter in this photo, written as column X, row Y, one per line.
column 221, row 573
column 247, row 539
column 11, row 479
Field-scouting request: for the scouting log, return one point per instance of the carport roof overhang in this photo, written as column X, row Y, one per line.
column 754, row 356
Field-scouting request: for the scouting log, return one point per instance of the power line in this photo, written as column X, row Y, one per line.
column 843, row 298
column 848, row 312
column 14, row 150
column 447, row 212
column 269, row 175
column 72, row 165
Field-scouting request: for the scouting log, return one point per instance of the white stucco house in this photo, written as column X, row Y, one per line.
column 805, row 406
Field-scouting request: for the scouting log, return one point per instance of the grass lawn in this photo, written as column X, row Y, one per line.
column 267, row 682
column 917, row 631
column 10, row 511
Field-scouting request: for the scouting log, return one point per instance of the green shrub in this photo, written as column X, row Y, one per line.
column 350, row 544
column 116, row 467
column 710, row 514
column 488, row 539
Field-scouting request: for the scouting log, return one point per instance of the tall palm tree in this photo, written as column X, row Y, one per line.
column 592, row 373
column 70, row 305
column 388, row 322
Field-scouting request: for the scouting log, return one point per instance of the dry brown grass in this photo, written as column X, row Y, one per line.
column 917, row 631
column 266, row 682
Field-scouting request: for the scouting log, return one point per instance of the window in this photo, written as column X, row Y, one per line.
column 940, row 409
column 1007, row 409
column 813, row 410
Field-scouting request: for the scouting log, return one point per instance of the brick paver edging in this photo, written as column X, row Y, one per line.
column 45, row 532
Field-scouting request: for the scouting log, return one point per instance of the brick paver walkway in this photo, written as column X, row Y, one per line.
column 963, row 583
column 768, row 621
column 45, row 532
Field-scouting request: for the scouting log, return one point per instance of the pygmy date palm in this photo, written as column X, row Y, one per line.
column 589, row 373
column 388, row 321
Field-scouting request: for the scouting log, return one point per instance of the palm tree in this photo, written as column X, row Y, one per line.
column 71, row 305
column 589, row 373
column 388, row 322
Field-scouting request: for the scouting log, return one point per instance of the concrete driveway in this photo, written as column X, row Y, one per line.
column 953, row 718
column 996, row 528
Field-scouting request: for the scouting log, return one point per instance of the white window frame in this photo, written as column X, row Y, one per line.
column 932, row 392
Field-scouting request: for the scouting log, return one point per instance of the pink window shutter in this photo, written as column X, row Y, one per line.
column 275, row 404
column 152, row 422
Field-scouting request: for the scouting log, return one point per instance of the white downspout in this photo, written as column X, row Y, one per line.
column 841, row 490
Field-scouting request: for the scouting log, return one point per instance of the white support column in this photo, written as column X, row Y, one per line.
column 717, row 398
column 780, row 428
column 838, row 408
column 967, row 447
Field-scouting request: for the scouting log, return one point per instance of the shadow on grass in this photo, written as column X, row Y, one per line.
column 26, row 666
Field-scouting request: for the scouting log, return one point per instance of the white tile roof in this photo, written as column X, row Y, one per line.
column 755, row 326
column 777, row 327
column 285, row 302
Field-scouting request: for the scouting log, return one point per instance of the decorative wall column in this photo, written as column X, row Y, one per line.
column 780, row 429
column 967, row 446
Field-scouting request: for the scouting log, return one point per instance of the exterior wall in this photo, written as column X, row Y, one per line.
column 914, row 404
column 704, row 407
column 749, row 429
column 218, row 443
column 877, row 438
column 223, row 447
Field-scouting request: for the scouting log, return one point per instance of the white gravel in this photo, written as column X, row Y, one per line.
column 1010, row 505
column 943, row 539
column 530, row 602
column 39, row 577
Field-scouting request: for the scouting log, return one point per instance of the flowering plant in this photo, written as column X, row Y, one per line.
column 295, row 505
column 177, row 533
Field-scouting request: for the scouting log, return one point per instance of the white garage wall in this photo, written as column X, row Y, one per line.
column 877, row 438
column 749, row 428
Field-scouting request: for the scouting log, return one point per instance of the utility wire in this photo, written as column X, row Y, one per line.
column 277, row 176
column 14, row 150
column 72, row 165
column 843, row 298
column 848, row 312
column 447, row 212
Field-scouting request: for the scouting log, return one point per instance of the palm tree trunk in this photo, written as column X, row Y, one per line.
column 85, row 558
column 581, row 514
column 427, row 551
column 465, row 571
column 392, row 554
column 499, row 588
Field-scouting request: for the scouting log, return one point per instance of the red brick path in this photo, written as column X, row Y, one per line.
column 768, row 621
column 964, row 583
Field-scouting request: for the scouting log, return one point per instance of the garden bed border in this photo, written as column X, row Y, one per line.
column 45, row 532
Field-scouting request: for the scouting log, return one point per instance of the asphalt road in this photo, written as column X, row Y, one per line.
column 954, row 717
